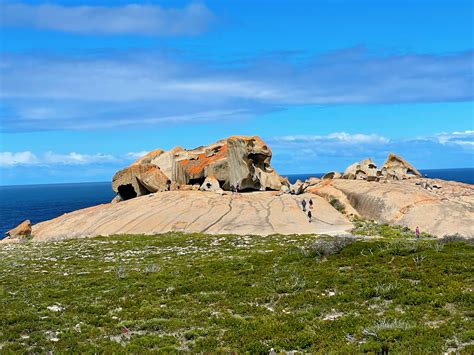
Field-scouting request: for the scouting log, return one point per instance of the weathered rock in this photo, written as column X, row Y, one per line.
column 211, row 184
column 397, row 168
column 296, row 188
column 237, row 162
column 439, row 212
column 23, row 230
column 363, row 170
column 165, row 160
column 139, row 179
column 332, row 175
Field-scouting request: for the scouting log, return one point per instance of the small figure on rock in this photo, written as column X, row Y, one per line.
column 311, row 203
column 310, row 216
column 417, row 232
column 303, row 204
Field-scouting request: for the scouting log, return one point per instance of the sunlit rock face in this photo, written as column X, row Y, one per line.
column 394, row 168
column 240, row 162
column 397, row 168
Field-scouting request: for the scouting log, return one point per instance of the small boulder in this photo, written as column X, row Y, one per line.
column 332, row 175
column 211, row 184
column 22, row 231
column 139, row 179
column 296, row 188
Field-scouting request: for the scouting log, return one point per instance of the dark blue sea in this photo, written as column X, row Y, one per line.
column 42, row 202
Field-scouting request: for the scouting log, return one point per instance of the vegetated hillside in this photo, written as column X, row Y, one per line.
column 206, row 293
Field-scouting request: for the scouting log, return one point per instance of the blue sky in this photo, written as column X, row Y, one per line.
column 86, row 87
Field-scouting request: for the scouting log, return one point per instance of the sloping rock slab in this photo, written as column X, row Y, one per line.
column 258, row 213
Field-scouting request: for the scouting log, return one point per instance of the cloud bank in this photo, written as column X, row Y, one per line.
column 119, row 90
column 27, row 158
column 134, row 19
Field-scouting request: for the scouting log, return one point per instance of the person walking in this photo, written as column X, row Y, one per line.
column 310, row 216
column 303, row 203
column 311, row 203
column 417, row 232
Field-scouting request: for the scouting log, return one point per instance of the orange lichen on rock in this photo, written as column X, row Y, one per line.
column 196, row 166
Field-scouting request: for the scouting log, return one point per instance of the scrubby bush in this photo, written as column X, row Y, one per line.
column 334, row 202
column 453, row 238
column 327, row 247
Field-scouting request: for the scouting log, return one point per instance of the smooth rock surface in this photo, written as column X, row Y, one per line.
column 257, row 213
column 440, row 212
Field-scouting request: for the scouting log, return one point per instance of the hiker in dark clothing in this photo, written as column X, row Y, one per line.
column 311, row 203
column 303, row 203
column 417, row 232
column 310, row 216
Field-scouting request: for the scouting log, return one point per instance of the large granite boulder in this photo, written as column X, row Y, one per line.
column 239, row 162
column 23, row 230
column 139, row 179
column 363, row 170
column 397, row 168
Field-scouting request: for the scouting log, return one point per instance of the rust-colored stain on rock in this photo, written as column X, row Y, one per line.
column 196, row 166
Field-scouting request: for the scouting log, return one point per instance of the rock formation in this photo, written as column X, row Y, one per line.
column 23, row 230
column 239, row 162
column 363, row 170
column 296, row 188
column 262, row 213
column 394, row 168
column 332, row 175
column 139, row 179
column 397, row 168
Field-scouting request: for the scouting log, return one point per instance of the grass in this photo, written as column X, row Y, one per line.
column 203, row 293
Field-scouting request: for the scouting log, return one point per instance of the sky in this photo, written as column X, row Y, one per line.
column 86, row 87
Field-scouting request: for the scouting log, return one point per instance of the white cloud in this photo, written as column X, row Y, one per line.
column 337, row 137
column 20, row 158
column 74, row 158
column 148, row 88
column 109, row 20
column 464, row 138
column 8, row 159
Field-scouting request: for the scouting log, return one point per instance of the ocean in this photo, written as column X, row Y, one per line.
column 42, row 202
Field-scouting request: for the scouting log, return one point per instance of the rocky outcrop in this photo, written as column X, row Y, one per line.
column 332, row 175
column 439, row 212
column 262, row 213
column 211, row 184
column 363, row 170
column 139, row 179
column 240, row 162
column 22, row 231
column 394, row 168
column 397, row 168
column 296, row 188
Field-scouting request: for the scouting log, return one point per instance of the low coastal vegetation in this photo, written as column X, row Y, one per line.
column 196, row 293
